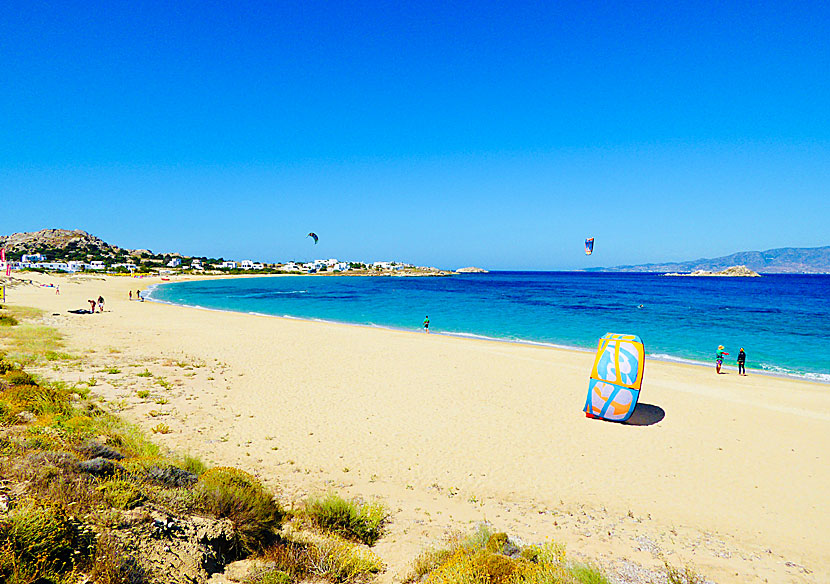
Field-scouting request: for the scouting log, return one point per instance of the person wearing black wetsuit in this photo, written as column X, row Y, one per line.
column 741, row 361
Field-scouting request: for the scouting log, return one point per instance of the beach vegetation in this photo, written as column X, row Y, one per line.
column 145, row 373
column 588, row 574
column 143, row 393
column 234, row 494
column 39, row 543
column 7, row 320
column 350, row 519
column 121, row 494
column 329, row 559
column 485, row 557
column 681, row 575
column 161, row 428
column 30, row 344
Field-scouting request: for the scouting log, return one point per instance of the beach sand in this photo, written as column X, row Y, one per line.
column 730, row 474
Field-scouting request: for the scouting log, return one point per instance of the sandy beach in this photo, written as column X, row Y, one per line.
column 730, row 474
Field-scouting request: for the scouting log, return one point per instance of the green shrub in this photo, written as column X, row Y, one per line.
column 18, row 377
column 232, row 493
column 350, row 519
column 7, row 320
column 121, row 494
column 193, row 464
column 39, row 399
column 39, row 543
column 587, row 574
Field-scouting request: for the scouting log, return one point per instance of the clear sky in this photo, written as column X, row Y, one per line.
column 441, row 133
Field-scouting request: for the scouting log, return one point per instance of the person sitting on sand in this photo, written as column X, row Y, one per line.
column 91, row 306
column 426, row 325
column 741, row 362
column 719, row 358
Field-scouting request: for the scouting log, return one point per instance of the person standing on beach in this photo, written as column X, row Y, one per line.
column 100, row 304
column 91, row 306
column 58, row 290
column 719, row 358
column 741, row 362
column 131, row 294
column 426, row 325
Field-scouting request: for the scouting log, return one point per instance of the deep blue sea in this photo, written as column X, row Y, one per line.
column 782, row 321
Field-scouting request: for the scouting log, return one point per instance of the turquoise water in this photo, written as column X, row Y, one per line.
column 782, row 321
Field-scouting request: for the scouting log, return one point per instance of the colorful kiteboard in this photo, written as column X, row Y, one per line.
column 589, row 246
column 614, row 385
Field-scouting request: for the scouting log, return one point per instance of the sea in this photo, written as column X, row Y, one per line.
column 781, row 321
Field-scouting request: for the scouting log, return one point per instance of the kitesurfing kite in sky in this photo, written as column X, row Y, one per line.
column 313, row 236
column 614, row 385
column 589, row 246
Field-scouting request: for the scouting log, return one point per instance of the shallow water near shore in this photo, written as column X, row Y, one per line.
column 782, row 321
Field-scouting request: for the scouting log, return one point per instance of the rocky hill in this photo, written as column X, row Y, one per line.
column 785, row 260
column 63, row 242
column 731, row 272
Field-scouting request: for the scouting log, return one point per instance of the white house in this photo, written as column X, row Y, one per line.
column 227, row 266
column 76, row 266
column 174, row 263
column 246, row 265
column 290, row 267
column 32, row 257
column 97, row 265
column 131, row 267
column 57, row 266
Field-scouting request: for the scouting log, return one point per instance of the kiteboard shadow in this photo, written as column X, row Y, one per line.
column 646, row 415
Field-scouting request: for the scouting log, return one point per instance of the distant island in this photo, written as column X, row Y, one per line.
column 731, row 272
column 471, row 270
column 785, row 260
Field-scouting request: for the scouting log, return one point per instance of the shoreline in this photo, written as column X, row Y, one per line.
column 809, row 377
column 450, row 433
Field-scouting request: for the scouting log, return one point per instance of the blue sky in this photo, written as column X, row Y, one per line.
column 449, row 134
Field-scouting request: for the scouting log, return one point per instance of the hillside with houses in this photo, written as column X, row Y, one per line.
column 58, row 250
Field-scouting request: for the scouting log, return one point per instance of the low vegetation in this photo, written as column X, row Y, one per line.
column 353, row 520
column 485, row 557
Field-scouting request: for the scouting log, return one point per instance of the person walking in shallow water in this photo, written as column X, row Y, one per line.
column 741, row 362
column 426, row 325
column 719, row 358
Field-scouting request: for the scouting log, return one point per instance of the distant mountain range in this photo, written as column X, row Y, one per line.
column 785, row 260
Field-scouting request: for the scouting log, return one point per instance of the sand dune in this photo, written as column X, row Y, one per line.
column 731, row 473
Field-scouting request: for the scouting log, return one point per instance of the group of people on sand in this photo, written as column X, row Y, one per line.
column 719, row 355
column 137, row 295
column 99, row 303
